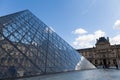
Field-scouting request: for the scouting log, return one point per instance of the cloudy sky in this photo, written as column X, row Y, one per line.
column 79, row 22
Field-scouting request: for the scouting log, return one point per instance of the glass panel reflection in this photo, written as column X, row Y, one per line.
column 29, row 47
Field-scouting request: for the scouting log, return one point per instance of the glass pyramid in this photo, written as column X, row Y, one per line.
column 29, row 47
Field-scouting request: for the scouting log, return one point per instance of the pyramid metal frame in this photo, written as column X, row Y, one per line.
column 29, row 47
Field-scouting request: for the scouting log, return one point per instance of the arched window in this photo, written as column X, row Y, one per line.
column 114, row 61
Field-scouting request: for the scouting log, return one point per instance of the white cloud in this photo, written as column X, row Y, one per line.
column 79, row 31
column 87, row 40
column 117, row 24
column 115, row 39
column 99, row 33
column 88, row 37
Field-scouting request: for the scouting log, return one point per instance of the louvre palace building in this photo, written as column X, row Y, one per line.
column 28, row 47
column 103, row 55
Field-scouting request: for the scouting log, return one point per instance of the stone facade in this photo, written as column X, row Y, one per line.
column 103, row 54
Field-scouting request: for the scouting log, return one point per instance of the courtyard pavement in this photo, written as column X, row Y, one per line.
column 96, row 74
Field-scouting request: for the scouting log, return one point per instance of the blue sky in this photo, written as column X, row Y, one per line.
column 79, row 22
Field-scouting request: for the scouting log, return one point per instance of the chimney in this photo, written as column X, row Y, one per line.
column 108, row 39
column 97, row 40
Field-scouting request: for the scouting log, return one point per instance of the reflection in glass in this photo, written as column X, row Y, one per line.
column 29, row 47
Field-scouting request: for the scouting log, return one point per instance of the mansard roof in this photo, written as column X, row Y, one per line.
column 102, row 39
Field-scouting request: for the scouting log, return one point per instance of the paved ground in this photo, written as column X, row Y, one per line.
column 97, row 74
